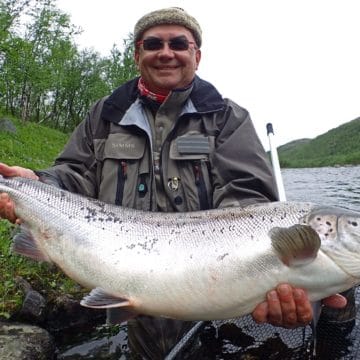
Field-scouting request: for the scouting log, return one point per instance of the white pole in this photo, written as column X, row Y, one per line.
column 275, row 163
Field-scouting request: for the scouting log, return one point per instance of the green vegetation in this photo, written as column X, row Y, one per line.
column 339, row 146
column 45, row 78
column 32, row 146
column 48, row 83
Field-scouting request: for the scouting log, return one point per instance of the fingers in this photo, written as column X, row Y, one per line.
column 286, row 306
column 335, row 301
column 304, row 311
column 11, row 171
column 7, row 208
column 260, row 313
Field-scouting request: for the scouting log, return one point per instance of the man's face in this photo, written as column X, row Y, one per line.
column 165, row 69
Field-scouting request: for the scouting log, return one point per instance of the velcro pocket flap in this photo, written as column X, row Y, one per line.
column 190, row 146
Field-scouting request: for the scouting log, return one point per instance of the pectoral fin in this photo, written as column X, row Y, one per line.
column 25, row 244
column 297, row 245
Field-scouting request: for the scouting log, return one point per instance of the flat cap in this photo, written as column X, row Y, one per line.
column 168, row 16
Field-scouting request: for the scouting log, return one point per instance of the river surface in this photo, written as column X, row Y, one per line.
column 339, row 186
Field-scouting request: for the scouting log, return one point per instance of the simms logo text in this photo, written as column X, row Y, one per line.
column 128, row 146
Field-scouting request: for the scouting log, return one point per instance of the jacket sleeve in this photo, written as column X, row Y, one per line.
column 241, row 170
column 75, row 168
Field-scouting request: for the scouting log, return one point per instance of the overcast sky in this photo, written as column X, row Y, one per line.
column 294, row 63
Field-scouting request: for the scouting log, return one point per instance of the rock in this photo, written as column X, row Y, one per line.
column 66, row 313
column 33, row 308
column 25, row 342
column 7, row 125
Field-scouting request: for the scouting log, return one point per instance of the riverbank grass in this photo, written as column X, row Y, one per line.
column 36, row 147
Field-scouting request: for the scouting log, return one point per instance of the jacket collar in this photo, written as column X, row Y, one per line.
column 204, row 97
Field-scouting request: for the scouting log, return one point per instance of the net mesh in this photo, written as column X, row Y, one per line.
column 337, row 337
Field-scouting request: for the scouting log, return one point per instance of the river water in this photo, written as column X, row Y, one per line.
column 339, row 186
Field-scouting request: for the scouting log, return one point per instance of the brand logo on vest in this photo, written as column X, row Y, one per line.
column 129, row 146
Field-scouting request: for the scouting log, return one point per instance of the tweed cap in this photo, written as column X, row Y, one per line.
column 168, row 16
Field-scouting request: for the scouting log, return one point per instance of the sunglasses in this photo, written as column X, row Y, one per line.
column 179, row 43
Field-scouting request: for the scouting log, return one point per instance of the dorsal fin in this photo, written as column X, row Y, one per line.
column 296, row 245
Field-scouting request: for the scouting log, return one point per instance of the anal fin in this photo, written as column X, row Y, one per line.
column 100, row 299
column 118, row 309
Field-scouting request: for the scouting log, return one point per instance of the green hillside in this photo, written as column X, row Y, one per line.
column 339, row 146
column 28, row 144
column 33, row 146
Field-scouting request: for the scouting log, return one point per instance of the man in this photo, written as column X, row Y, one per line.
column 168, row 141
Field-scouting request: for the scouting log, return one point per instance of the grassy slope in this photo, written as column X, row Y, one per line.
column 339, row 146
column 35, row 147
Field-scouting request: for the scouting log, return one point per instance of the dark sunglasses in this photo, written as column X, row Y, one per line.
column 179, row 43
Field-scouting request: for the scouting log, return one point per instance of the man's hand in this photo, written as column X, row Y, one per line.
column 7, row 208
column 290, row 307
column 12, row 171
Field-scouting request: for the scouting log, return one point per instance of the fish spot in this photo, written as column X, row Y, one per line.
column 221, row 257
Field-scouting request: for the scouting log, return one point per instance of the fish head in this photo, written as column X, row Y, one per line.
column 335, row 224
column 339, row 232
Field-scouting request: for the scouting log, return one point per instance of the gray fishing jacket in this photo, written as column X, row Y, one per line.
column 196, row 151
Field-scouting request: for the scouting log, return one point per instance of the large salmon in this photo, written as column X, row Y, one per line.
column 205, row 265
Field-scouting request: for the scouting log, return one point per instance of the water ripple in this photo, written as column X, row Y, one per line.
column 338, row 186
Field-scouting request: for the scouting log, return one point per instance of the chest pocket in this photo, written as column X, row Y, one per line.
column 190, row 155
column 123, row 163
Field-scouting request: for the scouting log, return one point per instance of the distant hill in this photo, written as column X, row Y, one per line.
column 338, row 146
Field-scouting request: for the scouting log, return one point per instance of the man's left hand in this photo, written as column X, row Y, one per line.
column 290, row 307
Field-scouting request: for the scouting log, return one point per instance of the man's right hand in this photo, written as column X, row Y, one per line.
column 7, row 208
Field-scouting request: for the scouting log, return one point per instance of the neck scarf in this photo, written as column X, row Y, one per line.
column 144, row 91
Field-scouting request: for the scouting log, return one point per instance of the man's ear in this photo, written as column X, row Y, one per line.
column 198, row 58
column 136, row 56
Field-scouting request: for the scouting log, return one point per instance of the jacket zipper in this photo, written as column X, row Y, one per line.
column 121, row 182
column 201, row 186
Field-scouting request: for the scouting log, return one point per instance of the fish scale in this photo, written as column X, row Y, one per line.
column 204, row 265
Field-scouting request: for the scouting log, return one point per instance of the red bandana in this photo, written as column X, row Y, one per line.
column 144, row 91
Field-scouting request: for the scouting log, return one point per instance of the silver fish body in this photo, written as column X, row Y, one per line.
column 206, row 265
